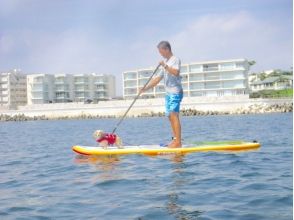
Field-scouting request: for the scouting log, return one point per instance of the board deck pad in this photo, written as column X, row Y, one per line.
column 156, row 149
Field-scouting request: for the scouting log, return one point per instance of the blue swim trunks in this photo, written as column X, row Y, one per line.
column 172, row 102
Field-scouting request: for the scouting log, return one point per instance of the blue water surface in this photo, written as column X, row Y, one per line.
column 41, row 178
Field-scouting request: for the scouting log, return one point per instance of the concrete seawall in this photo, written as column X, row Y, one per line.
column 146, row 107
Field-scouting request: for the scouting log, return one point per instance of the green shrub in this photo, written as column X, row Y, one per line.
column 272, row 93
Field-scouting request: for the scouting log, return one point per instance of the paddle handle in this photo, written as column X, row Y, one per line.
column 135, row 99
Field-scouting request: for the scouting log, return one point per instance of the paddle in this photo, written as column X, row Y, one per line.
column 135, row 99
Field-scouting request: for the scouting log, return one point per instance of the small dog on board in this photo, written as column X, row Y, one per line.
column 105, row 140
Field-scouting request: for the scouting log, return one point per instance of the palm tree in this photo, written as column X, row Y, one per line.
column 252, row 62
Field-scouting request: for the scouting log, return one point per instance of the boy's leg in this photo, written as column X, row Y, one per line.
column 167, row 113
column 174, row 109
column 172, row 126
column 176, row 125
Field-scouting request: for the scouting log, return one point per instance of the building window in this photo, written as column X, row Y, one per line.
column 184, row 69
column 130, row 84
column 233, row 84
column 196, row 85
column 212, row 76
column 185, row 86
column 194, row 93
column 210, row 67
column 195, row 68
column 130, row 75
column 232, row 75
column 227, row 66
column 160, row 95
column 184, row 77
column 131, row 91
column 159, row 89
column 142, row 82
column 144, row 74
column 196, row 77
column 220, row 93
column 212, row 85
column 240, row 65
column 211, row 93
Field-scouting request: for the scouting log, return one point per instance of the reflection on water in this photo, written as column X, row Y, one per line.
column 107, row 162
column 177, row 182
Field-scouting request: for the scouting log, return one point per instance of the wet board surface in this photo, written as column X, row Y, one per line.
column 156, row 149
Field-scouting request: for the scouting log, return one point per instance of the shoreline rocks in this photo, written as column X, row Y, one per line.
column 252, row 109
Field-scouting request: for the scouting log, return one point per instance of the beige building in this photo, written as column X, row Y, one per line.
column 273, row 83
column 62, row 88
column 208, row 78
column 13, row 89
column 40, row 88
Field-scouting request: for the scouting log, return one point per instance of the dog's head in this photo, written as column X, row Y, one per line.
column 98, row 134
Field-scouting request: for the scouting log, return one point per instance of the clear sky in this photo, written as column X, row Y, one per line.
column 111, row 36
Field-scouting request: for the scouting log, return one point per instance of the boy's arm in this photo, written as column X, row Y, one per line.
column 171, row 69
column 151, row 84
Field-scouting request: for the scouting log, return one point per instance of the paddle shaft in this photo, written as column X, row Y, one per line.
column 135, row 99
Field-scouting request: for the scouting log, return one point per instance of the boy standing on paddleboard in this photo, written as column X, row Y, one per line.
column 170, row 72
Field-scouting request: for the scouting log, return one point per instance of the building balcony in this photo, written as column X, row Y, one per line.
column 214, row 80
column 144, row 75
column 130, row 86
column 210, row 69
column 216, row 71
column 231, row 69
column 184, row 69
column 216, row 89
column 62, row 90
column 37, row 82
column 130, row 94
column 81, row 89
column 130, row 79
column 159, row 92
column 100, row 82
column 37, row 98
column 80, row 96
column 81, row 82
column 60, row 82
column 130, row 75
column 38, row 91
column 100, row 90
column 100, row 97
column 62, row 97
column 148, row 93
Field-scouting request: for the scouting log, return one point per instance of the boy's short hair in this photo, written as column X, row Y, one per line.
column 164, row 45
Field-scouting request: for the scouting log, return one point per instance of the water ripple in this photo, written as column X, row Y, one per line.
column 41, row 178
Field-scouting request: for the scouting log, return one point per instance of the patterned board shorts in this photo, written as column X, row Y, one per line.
column 172, row 102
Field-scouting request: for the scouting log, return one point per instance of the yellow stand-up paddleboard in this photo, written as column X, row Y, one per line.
column 228, row 146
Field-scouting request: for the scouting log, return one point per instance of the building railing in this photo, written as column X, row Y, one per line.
column 81, row 81
column 100, row 82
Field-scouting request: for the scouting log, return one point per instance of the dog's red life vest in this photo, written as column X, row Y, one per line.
column 110, row 138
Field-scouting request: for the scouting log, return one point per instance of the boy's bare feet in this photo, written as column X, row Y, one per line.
column 175, row 144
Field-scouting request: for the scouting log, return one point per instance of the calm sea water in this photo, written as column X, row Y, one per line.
column 41, row 178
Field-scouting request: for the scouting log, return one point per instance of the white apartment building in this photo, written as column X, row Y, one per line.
column 60, row 88
column 209, row 78
column 13, row 89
